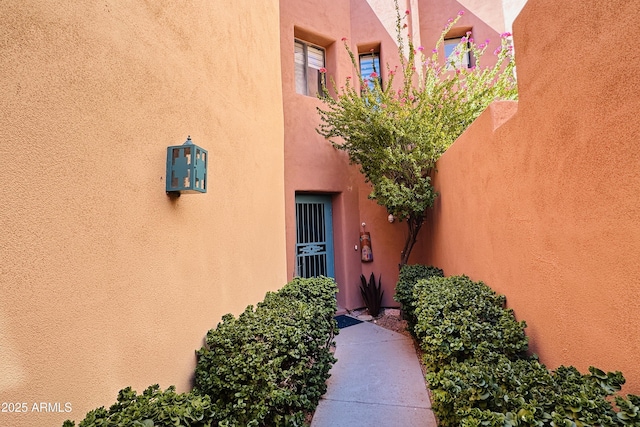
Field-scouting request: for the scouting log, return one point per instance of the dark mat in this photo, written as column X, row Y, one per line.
column 345, row 321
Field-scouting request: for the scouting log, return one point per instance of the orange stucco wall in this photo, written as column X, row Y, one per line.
column 374, row 22
column 104, row 281
column 312, row 165
column 539, row 199
column 484, row 18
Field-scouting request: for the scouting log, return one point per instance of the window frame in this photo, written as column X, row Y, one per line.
column 306, row 67
column 375, row 57
column 453, row 42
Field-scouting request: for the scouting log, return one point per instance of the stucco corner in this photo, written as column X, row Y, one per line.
column 501, row 112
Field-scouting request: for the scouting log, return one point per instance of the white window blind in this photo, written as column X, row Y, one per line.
column 370, row 63
column 316, row 57
column 308, row 62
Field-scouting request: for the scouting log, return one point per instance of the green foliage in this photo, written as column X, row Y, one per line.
column 319, row 292
column 479, row 374
column 628, row 410
column 409, row 276
column 152, row 408
column 455, row 316
column 520, row 392
column 372, row 293
column 396, row 132
column 268, row 367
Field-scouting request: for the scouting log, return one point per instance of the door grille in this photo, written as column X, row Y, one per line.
column 314, row 241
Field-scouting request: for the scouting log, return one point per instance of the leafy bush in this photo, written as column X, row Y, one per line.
column 372, row 293
column 493, row 389
column 480, row 375
column 456, row 316
column 269, row 366
column 152, row 408
column 320, row 292
column 628, row 410
column 409, row 276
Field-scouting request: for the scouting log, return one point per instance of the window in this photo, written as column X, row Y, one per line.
column 453, row 60
column 309, row 60
column 369, row 64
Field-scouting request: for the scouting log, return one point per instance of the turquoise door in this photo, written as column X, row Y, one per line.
column 314, row 236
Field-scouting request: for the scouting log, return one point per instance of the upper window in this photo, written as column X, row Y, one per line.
column 370, row 68
column 309, row 68
column 453, row 57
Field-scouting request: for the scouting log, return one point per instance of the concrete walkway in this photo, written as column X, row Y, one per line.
column 377, row 382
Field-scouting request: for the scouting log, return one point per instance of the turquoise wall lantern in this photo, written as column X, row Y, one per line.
column 186, row 169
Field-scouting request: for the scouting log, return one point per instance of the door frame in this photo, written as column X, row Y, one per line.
column 327, row 201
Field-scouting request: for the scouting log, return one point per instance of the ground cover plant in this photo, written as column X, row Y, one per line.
column 267, row 367
column 480, row 373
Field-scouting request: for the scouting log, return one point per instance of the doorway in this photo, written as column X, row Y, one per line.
column 314, row 236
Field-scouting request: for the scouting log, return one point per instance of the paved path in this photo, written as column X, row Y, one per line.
column 377, row 382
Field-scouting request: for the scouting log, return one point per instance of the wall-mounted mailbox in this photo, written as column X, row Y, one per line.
column 186, row 169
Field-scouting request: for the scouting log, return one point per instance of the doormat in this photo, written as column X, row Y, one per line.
column 345, row 321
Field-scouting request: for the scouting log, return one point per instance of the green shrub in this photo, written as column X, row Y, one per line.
column 320, row 292
column 409, row 277
column 628, row 413
column 455, row 316
column 269, row 366
column 480, row 375
column 152, row 408
column 493, row 390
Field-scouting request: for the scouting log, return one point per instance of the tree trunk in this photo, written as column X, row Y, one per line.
column 414, row 225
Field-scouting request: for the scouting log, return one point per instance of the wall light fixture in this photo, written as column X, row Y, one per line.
column 186, row 169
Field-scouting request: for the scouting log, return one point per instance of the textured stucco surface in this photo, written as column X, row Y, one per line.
column 104, row 281
column 312, row 165
column 484, row 18
column 545, row 207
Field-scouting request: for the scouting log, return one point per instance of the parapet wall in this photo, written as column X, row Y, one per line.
column 543, row 206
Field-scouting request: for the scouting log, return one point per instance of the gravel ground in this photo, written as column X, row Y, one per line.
column 390, row 319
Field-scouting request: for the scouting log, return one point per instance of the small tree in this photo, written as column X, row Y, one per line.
column 397, row 132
